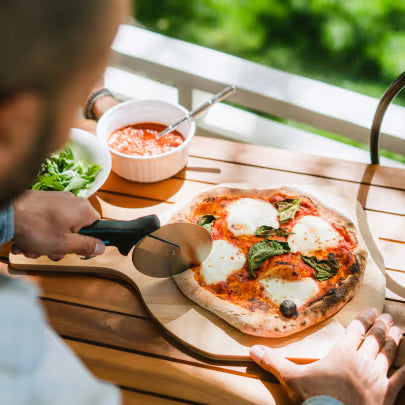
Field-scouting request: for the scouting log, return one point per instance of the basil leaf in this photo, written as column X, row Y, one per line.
column 324, row 269
column 287, row 208
column 206, row 221
column 265, row 231
column 263, row 250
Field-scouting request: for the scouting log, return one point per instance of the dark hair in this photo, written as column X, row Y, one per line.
column 44, row 41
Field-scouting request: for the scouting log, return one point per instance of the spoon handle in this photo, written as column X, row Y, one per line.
column 225, row 93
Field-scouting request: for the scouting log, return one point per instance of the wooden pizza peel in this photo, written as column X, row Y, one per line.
column 207, row 334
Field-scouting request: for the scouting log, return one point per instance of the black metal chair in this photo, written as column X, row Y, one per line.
column 395, row 87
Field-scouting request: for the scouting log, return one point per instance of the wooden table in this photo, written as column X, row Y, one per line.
column 104, row 322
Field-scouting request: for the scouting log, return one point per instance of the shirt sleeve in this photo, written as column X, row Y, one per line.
column 6, row 224
column 322, row 400
column 36, row 366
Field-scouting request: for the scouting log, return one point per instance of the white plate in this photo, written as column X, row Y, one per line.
column 90, row 149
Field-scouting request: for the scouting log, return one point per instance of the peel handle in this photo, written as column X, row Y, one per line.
column 122, row 234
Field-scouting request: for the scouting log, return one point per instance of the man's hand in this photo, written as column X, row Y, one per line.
column 47, row 222
column 354, row 371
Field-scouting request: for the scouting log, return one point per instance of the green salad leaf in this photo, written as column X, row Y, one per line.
column 261, row 251
column 61, row 172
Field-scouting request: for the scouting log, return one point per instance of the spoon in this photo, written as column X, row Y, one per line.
column 197, row 111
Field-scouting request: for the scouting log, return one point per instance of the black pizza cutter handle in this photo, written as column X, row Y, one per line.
column 122, row 234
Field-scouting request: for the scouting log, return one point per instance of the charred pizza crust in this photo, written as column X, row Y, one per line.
column 260, row 322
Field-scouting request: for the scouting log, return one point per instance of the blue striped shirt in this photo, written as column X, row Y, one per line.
column 6, row 224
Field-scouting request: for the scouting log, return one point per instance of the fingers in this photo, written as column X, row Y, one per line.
column 31, row 255
column 375, row 339
column 86, row 124
column 84, row 245
column 69, row 243
column 357, row 329
column 86, row 215
column 388, row 352
column 46, row 221
column 273, row 362
column 56, row 258
column 15, row 250
column 396, row 382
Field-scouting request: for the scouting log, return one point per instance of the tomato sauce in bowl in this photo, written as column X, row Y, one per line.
column 140, row 140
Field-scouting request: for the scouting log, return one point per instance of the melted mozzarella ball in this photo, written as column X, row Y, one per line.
column 300, row 292
column 312, row 233
column 247, row 214
column 223, row 260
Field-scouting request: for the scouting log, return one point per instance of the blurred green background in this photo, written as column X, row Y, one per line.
column 355, row 44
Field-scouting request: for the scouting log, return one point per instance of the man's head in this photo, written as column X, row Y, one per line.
column 52, row 53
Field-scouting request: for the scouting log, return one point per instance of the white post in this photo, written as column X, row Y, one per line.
column 185, row 96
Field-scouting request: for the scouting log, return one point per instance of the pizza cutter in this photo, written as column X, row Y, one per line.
column 159, row 251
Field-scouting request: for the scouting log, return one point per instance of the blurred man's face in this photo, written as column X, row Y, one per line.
column 31, row 128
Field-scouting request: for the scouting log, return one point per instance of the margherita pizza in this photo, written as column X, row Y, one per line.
column 281, row 261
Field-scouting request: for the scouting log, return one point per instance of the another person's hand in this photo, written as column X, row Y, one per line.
column 47, row 222
column 86, row 125
column 99, row 107
column 354, row 371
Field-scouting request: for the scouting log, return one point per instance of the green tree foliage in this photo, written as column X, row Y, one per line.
column 358, row 44
column 355, row 44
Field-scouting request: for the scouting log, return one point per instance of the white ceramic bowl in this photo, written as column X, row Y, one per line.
column 89, row 149
column 147, row 169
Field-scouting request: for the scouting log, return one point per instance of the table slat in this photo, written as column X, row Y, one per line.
column 373, row 197
column 132, row 335
column 393, row 253
column 102, row 293
column 203, row 173
column 175, row 379
column 388, row 226
column 297, row 162
column 136, row 398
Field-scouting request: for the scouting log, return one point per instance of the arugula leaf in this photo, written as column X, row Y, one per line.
column 92, row 170
column 263, row 250
column 287, row 208
column 48, row 181
column 76, row 182
column 265, row 231
column 324, row 269
column 60, row 172
column 207, row 221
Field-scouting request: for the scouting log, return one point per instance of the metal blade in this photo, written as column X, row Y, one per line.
column 172, row 249
column 164, row 241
